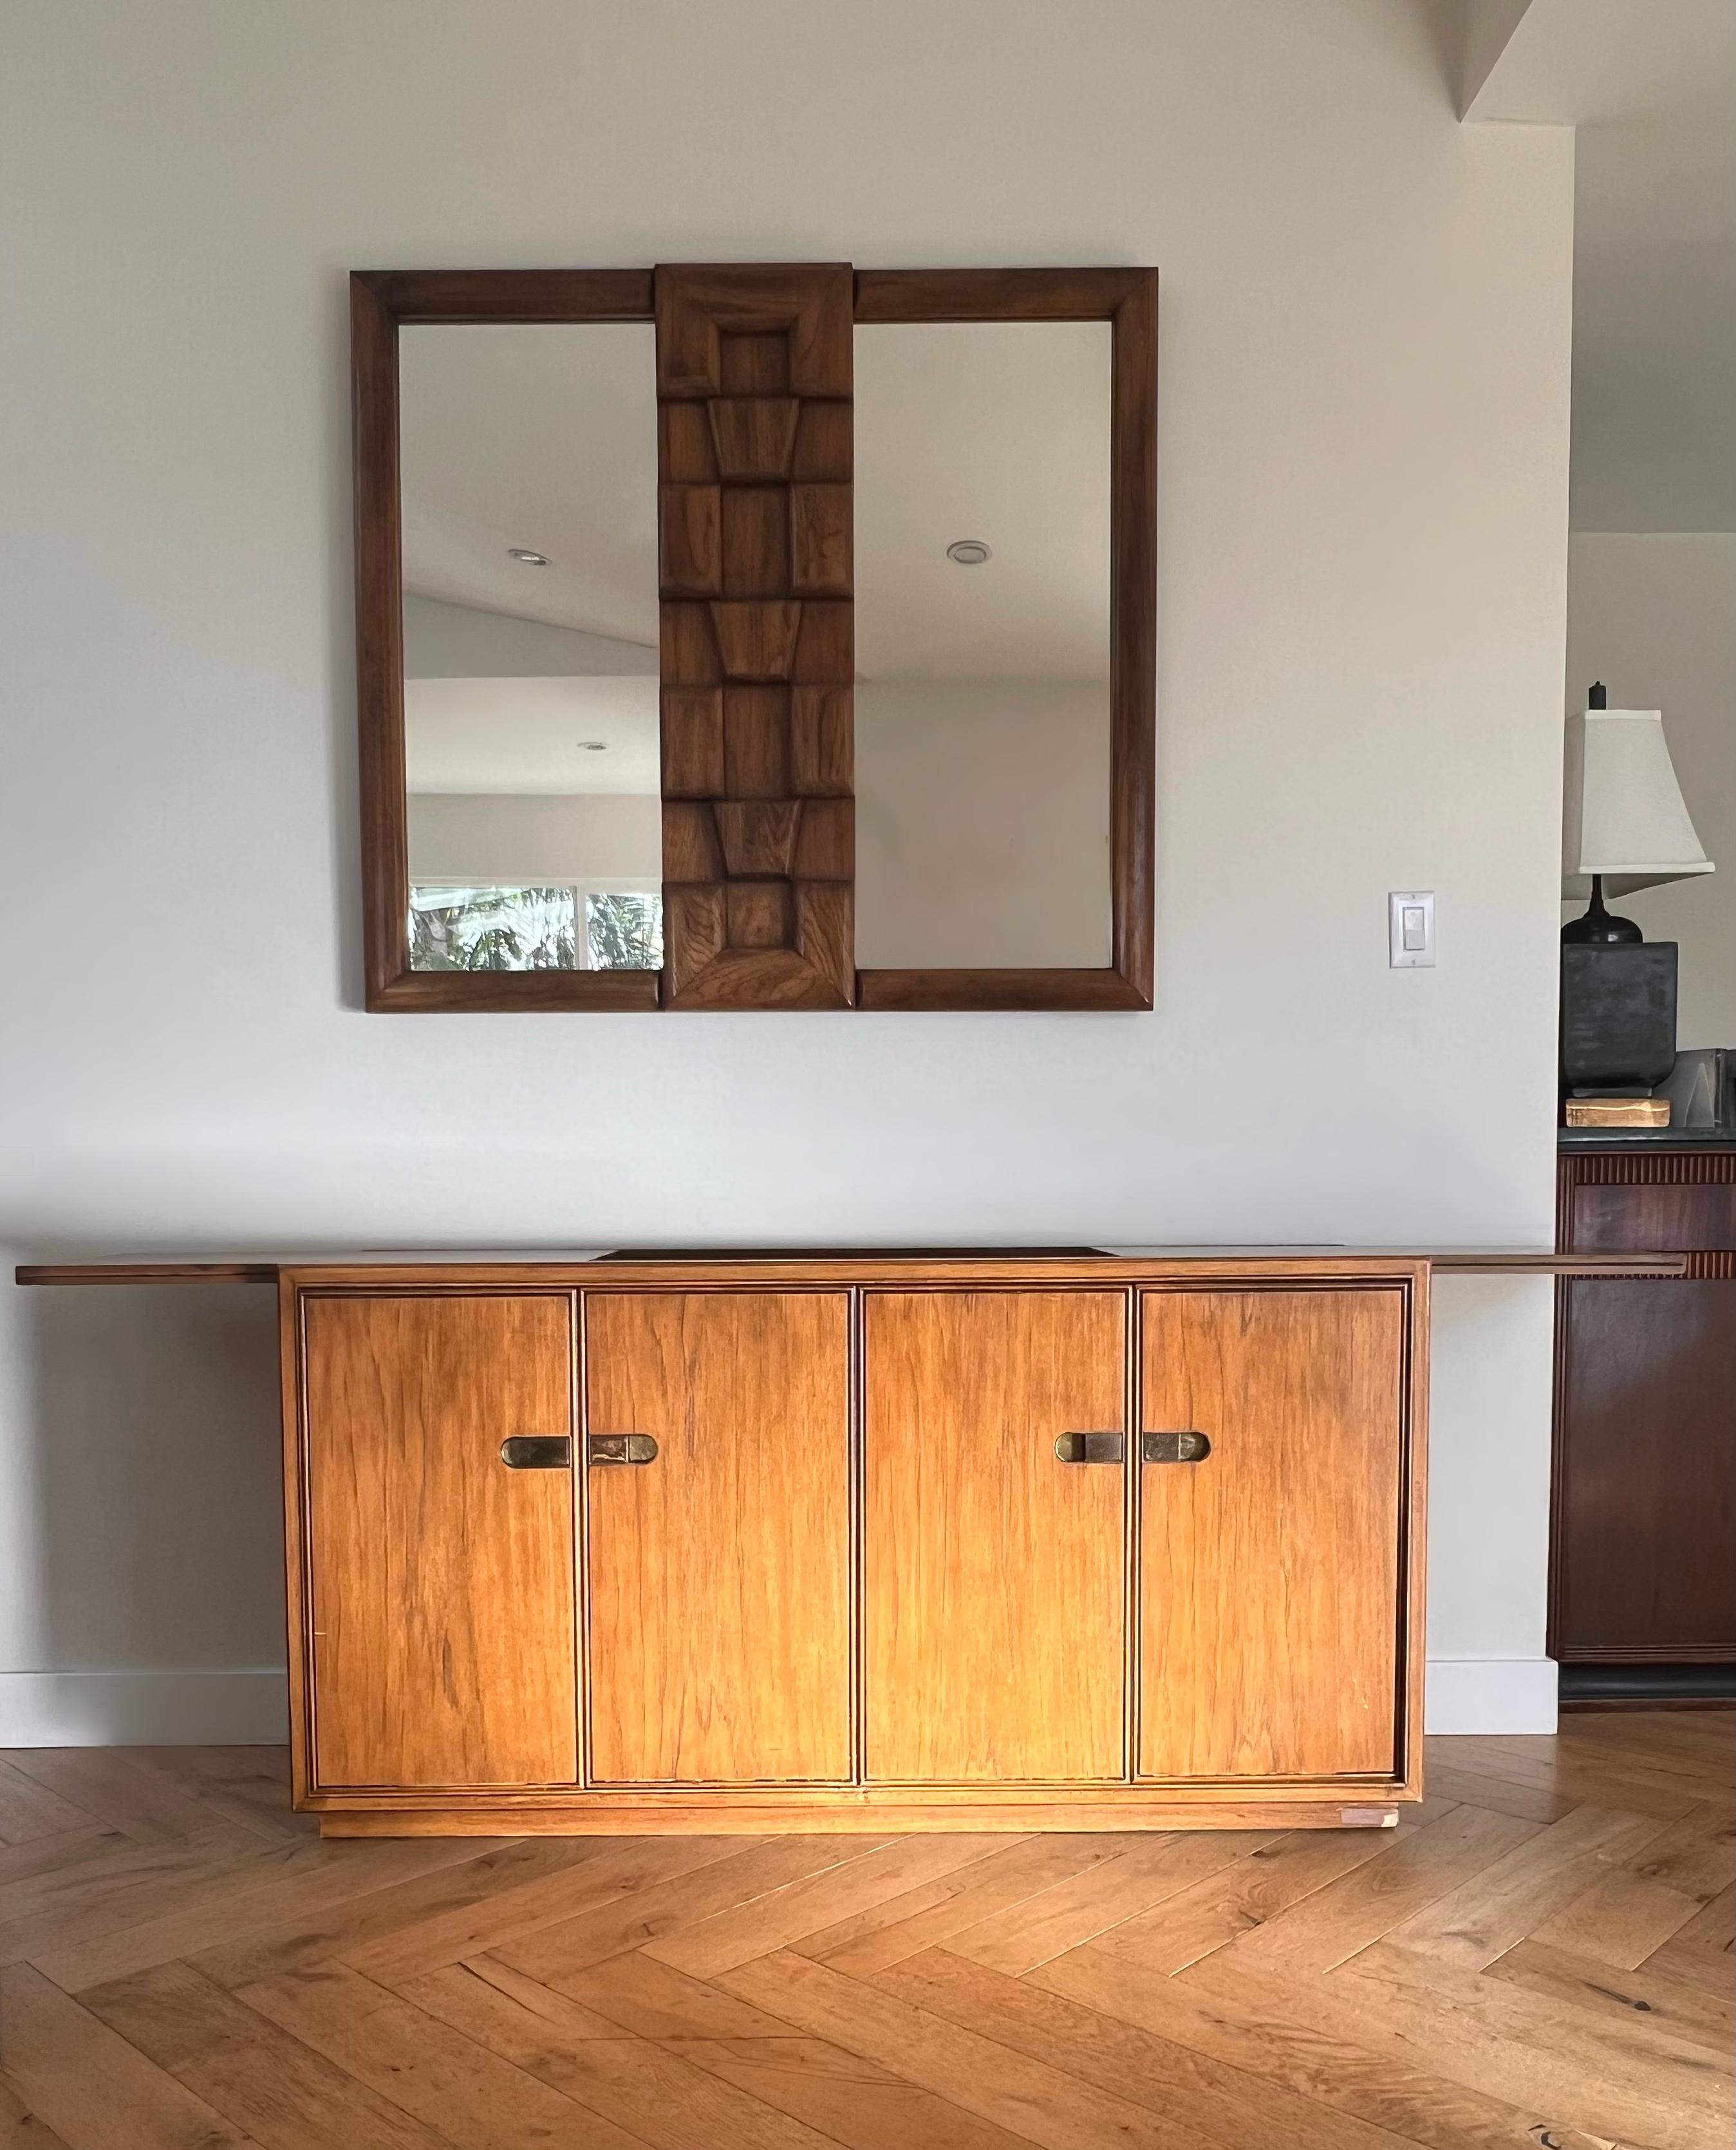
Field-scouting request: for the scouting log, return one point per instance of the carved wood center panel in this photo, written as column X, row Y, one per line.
column 755, row 431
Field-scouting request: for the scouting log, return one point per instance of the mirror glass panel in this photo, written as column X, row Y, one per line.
column 528, row 461
column 982, row 713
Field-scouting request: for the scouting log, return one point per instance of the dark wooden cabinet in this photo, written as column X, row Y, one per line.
column 1642, row 1569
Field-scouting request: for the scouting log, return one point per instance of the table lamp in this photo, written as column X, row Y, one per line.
column 1624, row 825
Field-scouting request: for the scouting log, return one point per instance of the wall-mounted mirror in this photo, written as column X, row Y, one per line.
column 528, row 498
column 743, row 637
column 982, row 710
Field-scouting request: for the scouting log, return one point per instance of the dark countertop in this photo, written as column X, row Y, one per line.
column 1646, row 1137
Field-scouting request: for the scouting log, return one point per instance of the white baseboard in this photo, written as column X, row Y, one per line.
column 144, row 1710
column 251, row 1708
column 1489, row 1694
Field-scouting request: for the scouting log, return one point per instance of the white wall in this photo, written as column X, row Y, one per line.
column 444, row 641
column 1654, row 617
column 1364, row 454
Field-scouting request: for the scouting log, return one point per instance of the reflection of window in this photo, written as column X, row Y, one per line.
column 622, row 931
column 532, row 927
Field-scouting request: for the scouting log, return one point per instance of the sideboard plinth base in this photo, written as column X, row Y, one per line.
column 1060, row 1817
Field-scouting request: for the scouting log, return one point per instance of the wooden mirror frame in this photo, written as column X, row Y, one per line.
column 811, row 966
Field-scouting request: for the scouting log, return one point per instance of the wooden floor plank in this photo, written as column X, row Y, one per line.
column 646, row 2089
column 1487, row 1914
column 683, row 1900
column 1620, row 1921
column 246, row 1786
column 103, row 1784
column 1540, row 1955
column 847, row 2097
column 29, row 1809
column 1541, row 1763
column 1706, row 1775
column 20, row 2128
column 1698, row 1732
column 1019, row 1871
column 92, row 2087
column 1410, row 1874
column 289, row 1937
column 1497, row 1794
column 471, row 2095
column 1221, row 1907
column 756, row 1929
column 1027, row 2096
column 275, row 1882
column 1681, row 2004
column 1702, row 1949
column 66, row 1906
column 451, row 1994
column 1394, row 2091
column 636, row 1992
column 260, row 2078
column 1087, row 1904
column 1696, row 1856
column 50, row 1854
column 1476, row 2033
column 596, row 1873
column 1224, row 2103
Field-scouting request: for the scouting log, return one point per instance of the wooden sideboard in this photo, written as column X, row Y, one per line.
column 861, row 1542
column 1643, row 1567
column 1076, row 1540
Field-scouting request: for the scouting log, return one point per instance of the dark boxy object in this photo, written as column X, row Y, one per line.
column 1618, row 1014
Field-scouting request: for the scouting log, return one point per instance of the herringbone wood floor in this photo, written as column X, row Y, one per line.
column 1541, row 1955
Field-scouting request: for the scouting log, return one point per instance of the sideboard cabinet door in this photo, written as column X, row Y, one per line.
column 1269, row 1568
column 719, row 1567
column 440, row 1601
column 993, row 1567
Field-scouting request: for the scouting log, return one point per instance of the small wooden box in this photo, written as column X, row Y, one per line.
column 1618, row 1112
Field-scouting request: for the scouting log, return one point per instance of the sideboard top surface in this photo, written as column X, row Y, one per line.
column 405, row 1267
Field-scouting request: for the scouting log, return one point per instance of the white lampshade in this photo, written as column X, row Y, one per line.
column 1621, row 809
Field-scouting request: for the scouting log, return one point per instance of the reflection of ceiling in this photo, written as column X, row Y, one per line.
column 546, row 436
column 995, row 430
column 523, row 734
column 542, row 435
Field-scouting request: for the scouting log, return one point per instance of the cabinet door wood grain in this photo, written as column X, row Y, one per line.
column 994, row 1576
column 720, row 1571
column 1269, row 1572
column 441, row 1599
column 1646, row 1505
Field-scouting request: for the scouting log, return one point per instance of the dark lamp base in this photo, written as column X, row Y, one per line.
column 1598, row 928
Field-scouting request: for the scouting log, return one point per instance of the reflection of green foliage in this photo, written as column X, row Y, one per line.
column 625, row 932
column 531, row 928
column 494, row 929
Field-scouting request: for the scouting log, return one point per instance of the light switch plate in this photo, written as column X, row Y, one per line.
column 1410, row 930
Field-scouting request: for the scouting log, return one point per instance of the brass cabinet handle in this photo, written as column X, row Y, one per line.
column 622, row 1448
column 1187, row 1447
column 1091, row 1448
column 537, row 1451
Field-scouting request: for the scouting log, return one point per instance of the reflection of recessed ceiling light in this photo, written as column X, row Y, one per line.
column 594, row 746
column 527, row 558
column 968, row 552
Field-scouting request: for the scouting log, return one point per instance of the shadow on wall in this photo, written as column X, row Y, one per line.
column 157, row 1532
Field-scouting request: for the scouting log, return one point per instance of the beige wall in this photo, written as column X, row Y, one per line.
column 505, row 836
column 982, row 823
column 1654, row 617
column 1363, row 459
